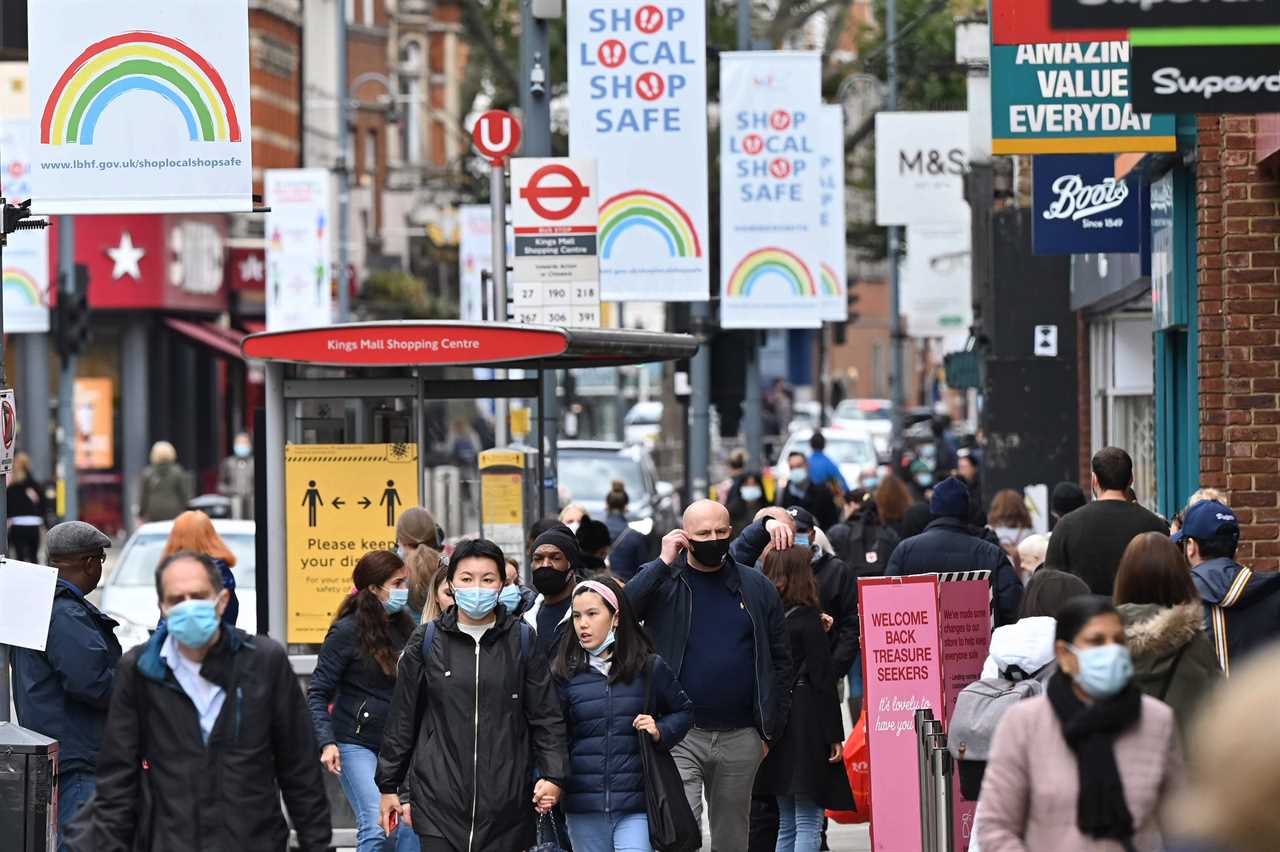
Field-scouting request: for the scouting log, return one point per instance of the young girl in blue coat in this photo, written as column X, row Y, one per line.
column 602, row 679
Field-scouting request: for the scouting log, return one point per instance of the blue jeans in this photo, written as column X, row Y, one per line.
column 799, row 824
column 358, row 766
column 74, row 789
column 601, row 832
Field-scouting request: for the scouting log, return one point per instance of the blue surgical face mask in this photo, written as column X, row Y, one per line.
column 803, row 539
column 1104, row 670
column 244, row 450
column 510, row 597
column 798, row 475
column 193, row 623
column 603, row 646
column 477, row 603
column 751, row 493
column 924, row 480
column 397, row 599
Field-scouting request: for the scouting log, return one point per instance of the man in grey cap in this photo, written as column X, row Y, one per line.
column 63, row 691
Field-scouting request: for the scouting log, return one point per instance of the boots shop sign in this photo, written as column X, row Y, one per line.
column 1080, row 207
column 1211, row 70
column 1090, row 14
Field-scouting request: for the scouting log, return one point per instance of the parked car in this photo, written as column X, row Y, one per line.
column 643, row 423
column 874, row 417
column 587, row 470
column 853, row 453
column 129, row 593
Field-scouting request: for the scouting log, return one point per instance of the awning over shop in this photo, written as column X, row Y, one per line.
column 225, row 341
column 459, row 344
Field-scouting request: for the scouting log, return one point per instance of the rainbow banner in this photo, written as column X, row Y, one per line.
column 142, row 108
column 771, row 194
column 638, row 106
column 26, row 255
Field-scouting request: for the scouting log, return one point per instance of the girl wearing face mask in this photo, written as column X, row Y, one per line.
column 602, row 678
column 1089, row 765
column 745, row 499
column 356, row 673
column 474, row 715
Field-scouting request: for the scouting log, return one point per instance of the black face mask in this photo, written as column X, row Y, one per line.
column 550, row 581
column 711, row 552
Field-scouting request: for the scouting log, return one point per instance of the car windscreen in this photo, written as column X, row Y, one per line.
column 139, row 562
column 589, row 477
column 850, row 452
column 854, row 410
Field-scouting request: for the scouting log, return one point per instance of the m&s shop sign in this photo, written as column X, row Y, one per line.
column 1069, row 98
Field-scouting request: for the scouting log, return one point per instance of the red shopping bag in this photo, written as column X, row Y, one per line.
column 857, row 763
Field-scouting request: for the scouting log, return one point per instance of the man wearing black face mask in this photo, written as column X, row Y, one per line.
column 719, row 624
column 556, row 559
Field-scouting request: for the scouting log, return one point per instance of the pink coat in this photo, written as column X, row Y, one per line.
column 1028, row 800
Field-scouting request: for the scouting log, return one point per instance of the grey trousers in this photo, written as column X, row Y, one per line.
column 725, row 764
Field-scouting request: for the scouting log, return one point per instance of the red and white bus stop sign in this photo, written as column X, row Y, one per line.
column 496, row 135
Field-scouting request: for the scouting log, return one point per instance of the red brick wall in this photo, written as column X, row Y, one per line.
column 275, row 76
column 1239, row 351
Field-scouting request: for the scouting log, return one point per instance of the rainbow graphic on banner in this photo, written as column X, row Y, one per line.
column 18, row 284
column 138, row 61
column 650, row 211
column 827, row 277
column 771, row 262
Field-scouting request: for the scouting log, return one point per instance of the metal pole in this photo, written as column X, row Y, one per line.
column 67, row 380
column 753, row 405
column 277, row 574
column 926, row 729
column 940, row 766
column 498, row 206
column 4, row 538
column 344, row 167
column 535, row 55
column 898, row 376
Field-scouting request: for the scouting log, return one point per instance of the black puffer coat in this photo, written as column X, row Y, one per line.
column 472, row 783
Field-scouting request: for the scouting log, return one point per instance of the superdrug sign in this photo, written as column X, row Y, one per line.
column 1206, row 79
column 1091, row 14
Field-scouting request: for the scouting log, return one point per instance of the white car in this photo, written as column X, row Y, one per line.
column 643, row 423
column 129, row 594
column 873, row 417
column 852, row 452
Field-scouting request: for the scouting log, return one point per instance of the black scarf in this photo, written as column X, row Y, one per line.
column 1090, row 731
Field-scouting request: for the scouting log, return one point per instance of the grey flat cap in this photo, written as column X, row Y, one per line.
column 75, row 537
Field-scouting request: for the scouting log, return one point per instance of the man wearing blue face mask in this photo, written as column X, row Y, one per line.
column 235, row 477
column 219, row 726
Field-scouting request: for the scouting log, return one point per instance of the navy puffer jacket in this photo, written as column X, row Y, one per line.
column 604, row 749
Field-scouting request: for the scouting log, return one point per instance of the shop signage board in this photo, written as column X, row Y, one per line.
column 26, row 255
column 935, row 283
column 1069, row 98
column 638, row 106
column 405, row 344
column 555, row 269
column 299, row 249
column 1027, row 22
column 833, row 264
column 770, row 234
column 1070, row 14
column 141, row 107
column 922, row 643
column 1080, row 208
column 341, row 501
column 1211, row 70
column 95, row 423
column 921, row 158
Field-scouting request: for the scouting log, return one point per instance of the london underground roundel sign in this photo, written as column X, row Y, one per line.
column 496, row 135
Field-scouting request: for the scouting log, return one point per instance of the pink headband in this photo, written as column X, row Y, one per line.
column 600, row 589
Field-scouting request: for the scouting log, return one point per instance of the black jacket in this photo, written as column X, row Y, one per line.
column 865, row 547
column 456, row 766
column 948, row 544
column 64, row 691
column 664, row 602
column 219, row 797
column 362, row 689
column 1241, row 608
column 818, row 499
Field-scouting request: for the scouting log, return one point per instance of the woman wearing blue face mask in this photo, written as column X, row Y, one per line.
column 356, row 674
column 602, row 679
column 473, row 716
column 1090, row 764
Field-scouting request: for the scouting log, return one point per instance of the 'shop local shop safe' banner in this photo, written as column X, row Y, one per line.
column 770, row 233
column 26, row 257
column 140, row 107
column 638, row 106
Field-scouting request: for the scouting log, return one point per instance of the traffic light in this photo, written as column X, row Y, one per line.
column 72, row 316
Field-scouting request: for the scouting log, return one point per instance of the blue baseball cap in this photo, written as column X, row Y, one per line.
column 1206, row 520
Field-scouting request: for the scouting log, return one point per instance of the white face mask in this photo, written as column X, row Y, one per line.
column 751, row 493
column 798, row 475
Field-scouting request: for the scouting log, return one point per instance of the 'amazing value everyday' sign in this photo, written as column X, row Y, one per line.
column 1067, row 99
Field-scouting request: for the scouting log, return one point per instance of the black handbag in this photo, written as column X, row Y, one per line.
column 546, row 839
column 672, row 826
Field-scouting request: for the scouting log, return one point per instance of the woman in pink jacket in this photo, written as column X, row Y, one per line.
column 1088, row 766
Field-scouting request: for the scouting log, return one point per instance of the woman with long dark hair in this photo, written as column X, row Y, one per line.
column 803, row 770
column 603, row 678
column 356, row 673
column 1090, row 765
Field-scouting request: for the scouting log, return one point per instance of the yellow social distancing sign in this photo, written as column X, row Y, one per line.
column 342, row 500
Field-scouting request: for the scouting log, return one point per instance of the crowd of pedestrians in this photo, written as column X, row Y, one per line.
column 459, row 709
